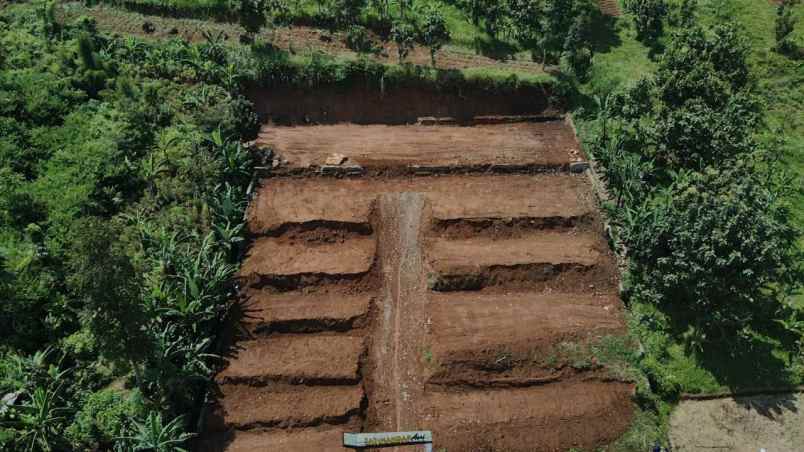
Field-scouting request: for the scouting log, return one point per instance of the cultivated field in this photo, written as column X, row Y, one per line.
column 440, row 277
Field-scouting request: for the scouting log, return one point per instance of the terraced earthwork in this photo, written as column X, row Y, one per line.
column 423, row 277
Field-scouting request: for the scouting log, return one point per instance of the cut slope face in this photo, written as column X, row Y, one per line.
column 432, row 288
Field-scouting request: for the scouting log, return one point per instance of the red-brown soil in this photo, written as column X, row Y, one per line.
column 266, row 312
column 300, row 358
column 306, row 439
column 394, row 300
column 503, row 331
column 548, row 144
column 454, row 200
column 553, row 417
column 277, row 257
column 365, row 104
column 610, row 7
column 243, row 407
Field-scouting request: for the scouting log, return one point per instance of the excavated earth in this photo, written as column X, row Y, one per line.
column 423, row 277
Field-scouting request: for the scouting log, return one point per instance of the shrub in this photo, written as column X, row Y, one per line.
column 359, row 40
column 648, row 16
column 784, row 27
column 718, row 244
column 404, row 35
column 104, row 416
column 434, row 31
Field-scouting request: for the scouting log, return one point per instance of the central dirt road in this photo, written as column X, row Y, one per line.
column 424, row 277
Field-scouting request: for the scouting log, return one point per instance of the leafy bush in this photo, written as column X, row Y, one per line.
column 359, row 40
column 403, row 34
column 434, row 31
column 785, row 26
column 105, row 416
column 698, row 110
column 717, row 244
column 648, row 16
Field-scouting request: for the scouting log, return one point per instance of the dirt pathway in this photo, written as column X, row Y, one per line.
column 740, row 424
column 424, row 277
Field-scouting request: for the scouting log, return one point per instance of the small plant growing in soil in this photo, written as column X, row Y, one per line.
column 359, row 40
column 252, row 18
column 404, row 35
column 434, row 31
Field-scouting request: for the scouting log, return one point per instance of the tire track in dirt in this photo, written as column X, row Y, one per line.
column 395, row 369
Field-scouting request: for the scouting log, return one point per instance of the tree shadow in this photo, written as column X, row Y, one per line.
column 494, row 48
column 746, row 363
column 603, row 32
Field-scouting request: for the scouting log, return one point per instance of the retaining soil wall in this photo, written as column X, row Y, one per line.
column 398, row 105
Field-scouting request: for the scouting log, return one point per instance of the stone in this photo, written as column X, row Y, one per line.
column 335, row 159
column 579, row 167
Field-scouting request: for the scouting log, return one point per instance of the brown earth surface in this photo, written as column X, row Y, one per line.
column 268, row 312
column 298, row 357
column 485, row 331
column 554, row 417
column 548, row 145
column 774, row 422
column 453, row 200
column 271, row 256
column 610, row 7
column 365, row 104
column 395, row 300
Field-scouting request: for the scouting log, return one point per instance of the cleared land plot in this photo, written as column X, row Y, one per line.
column 466, row 302
column 275, row 257
column 549, row 144
column 295, row 358
column 266, row 312
column 542, row 418
column 544, row 248
column 561, row 261
column 326, row 440
column 479, row 329
column 287, row 201
column 243, row 407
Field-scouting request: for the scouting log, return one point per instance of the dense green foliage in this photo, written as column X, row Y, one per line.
column 123, row 186
column 702, row 207
column 121, row 206
column 648, row 16
column 785, row 26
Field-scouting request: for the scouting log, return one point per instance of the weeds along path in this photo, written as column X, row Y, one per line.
column 436, row 277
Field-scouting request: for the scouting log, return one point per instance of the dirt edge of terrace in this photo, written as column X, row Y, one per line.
column 373, row 103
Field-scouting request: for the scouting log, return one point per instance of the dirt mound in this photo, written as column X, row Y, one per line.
column 396, row 299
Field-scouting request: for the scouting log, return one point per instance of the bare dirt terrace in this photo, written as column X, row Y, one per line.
column 413, row 277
